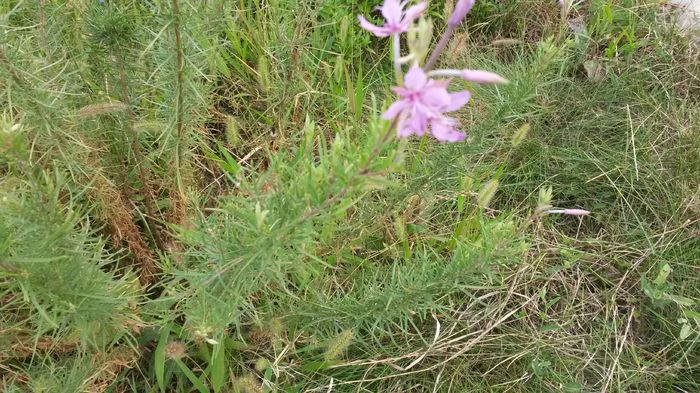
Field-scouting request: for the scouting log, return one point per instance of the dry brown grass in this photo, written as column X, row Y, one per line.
column 123, row 229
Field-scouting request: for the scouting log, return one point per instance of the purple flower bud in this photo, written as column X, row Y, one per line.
column 461, row 10
column 576, row 212
column 480, row 76
column 570, row 212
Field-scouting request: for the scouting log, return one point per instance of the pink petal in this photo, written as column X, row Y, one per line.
column 418, row 121
column 438, row 83
column 392, row 11
column 376, row 30
column 435, row 97
column 444, row 132
column 458, row 100
column 415, row 78
column 415, row 124
column 404, row 131
column 480, row 76
column 394, row 110
column 412, row 13
column 401, row 91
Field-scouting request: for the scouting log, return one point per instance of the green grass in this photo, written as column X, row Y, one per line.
column 221, row 212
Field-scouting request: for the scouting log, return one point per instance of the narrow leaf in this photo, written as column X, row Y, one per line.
column 218, row 370
column 159, row 357
column 193, row 378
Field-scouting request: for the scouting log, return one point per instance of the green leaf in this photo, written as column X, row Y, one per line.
column 221, row 65
column 350, row 91
column 572, row 387
column 193, row 378
column 159, row 357
column 359, row 94
column 680, row 300
column 233, row 165
column 218, row 370
column 663, row 274
column 693, row 314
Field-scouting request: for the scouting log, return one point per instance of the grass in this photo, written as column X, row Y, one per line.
column 200, row 198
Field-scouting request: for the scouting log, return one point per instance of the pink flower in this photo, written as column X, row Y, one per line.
column 397, row 20
column 461, row 10
column 421, row 104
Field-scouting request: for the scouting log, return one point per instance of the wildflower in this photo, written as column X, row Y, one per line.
column 397, row 20
column 570, row 212
column 422, row 104
column 461, row 10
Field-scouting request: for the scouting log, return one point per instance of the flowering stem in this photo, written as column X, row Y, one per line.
column 439, row 48
column 179, row 158
column 397, row 57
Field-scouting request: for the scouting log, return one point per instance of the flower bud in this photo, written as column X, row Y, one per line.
column 479, row 76
column 461, row 10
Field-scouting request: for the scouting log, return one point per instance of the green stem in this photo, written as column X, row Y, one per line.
column 396, row 44
column 179, row 105
column 132, row 135
column 42, row 31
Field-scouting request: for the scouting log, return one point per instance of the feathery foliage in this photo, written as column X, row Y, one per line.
column 200, row 196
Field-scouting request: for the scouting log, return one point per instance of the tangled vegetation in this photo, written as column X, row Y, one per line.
column 202, row 196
